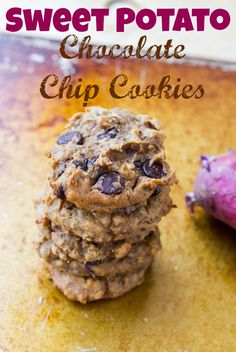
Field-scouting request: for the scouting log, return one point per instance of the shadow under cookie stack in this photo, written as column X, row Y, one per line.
column 108, row 188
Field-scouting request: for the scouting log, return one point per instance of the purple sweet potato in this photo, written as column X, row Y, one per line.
column 215, row 187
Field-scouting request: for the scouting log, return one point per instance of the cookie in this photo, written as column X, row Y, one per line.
column 68, row 244
column 140, row 255
column 109, row 159
column 130, row 222
column 85, row 290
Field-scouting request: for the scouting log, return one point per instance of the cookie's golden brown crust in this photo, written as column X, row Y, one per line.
column 109, row 159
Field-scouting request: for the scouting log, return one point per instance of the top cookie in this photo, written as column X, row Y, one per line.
column 109, row 159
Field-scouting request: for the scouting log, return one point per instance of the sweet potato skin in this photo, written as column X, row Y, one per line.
column 215, row 187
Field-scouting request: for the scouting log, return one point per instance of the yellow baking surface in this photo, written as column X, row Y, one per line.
column 188, row 300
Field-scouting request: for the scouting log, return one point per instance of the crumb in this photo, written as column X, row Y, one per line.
column 40, row 301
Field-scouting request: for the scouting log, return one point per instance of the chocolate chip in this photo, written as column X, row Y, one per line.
column 138, row 163
column 110, row 183
column 90, row 162
column 67, row 137
column 155, row 170
column 82, row 164
column 111, row 133
column 60, row 192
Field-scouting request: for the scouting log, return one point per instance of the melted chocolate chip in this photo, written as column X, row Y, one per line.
column 67, row 137
column 110, row 183
column 60, row 192
column 138, row 163
column 155, row 170
column 84, row 164
column 111, row 133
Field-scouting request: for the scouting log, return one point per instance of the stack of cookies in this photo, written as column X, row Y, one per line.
column 108, row 188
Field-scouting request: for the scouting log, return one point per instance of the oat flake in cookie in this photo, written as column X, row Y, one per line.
column 109, row 159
